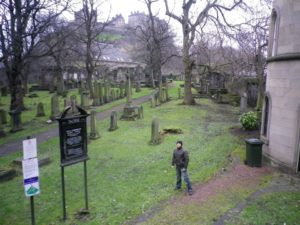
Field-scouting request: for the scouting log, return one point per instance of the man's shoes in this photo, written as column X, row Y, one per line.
column 190, row 192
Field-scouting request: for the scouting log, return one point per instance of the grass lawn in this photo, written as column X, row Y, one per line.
column 272, row 208
column 126, row 175
column 33, row 125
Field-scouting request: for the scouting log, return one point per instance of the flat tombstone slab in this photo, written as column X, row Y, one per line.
column 129, row 113
column 8, row 174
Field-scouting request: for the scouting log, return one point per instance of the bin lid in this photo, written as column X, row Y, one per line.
column 254, row 141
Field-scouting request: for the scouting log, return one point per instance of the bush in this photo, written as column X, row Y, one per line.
column 249, row 121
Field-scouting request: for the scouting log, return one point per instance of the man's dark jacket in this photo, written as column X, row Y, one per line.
column 180, row 158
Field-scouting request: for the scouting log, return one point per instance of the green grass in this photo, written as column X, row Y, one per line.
column 272, row 208
column 126, row 175
column 33, row 125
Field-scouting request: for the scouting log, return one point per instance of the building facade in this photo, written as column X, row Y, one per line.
column 280, row 129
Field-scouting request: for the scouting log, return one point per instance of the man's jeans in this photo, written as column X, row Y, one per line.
column 182, row 172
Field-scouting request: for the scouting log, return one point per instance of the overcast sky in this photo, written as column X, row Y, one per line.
column 110, row 8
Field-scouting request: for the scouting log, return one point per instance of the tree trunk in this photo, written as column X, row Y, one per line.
column 60, row 82
column 16, row 102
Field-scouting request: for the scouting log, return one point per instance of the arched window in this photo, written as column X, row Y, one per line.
column 273, row 40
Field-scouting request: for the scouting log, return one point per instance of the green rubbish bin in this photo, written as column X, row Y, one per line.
column 253, row 152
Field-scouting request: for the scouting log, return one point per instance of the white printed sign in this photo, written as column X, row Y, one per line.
column 29, row 148
column 31, row 176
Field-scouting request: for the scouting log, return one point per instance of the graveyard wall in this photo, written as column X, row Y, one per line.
column 283, row 87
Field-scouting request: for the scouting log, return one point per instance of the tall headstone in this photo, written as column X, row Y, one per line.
column 16, row 123
column 113, row 121
column 152, row 102
column 67, row 102
column 243, row 103
column 54, row 107
column 40, row 112
column 128, row 91
column 74, row 109
column 94, row 134
column 140, row 112
column 85, row 100
column 96, row 97
column 155, row 138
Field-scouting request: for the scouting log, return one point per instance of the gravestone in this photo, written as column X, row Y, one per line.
column 67, row 102
column 155, row 137
column 140, row 112
column 129, row 110
column 113, row 121
column 73, row 104
column 96, row 97
column 94, row 134
column 152, row 102
column 113, row 95
column 16, row 123
column 243, row 103
column 3, row 116
column 54, row 107
column 40, row 112
column 85, row 100
column 156, row 98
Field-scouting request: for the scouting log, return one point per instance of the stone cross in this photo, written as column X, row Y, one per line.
column 94, row 134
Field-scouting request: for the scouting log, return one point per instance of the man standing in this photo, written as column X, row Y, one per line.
column 181, row 161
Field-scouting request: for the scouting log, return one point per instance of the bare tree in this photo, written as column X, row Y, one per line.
column 213, row 11
column 252, row 37
column 89, row 37
column 21, row 23
column 155, row 43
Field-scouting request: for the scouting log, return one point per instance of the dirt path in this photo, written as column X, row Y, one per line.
column 231, row 182
column 15, row 146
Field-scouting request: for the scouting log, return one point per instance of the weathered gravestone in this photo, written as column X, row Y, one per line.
column 152, row 102
column 129, row 110
column 117, row 94
column 40, row 112
column 96, row 97
column 113, row 95
column 54, row 107
column 85, row 100
column 113, row 121
column 94, row 134
column 16, row 123
column 67, row 102
column 243, row 103
column 155, row 136
column 140, row 112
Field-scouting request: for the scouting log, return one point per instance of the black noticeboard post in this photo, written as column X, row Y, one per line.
column 73, row 147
